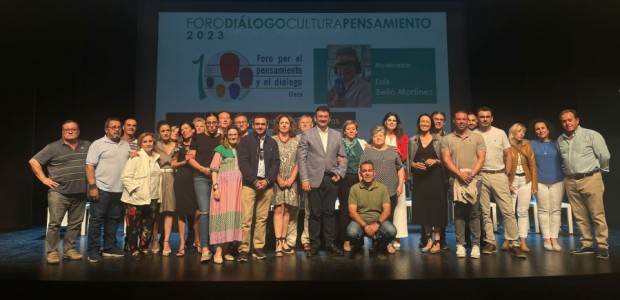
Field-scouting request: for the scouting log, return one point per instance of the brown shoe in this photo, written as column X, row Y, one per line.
column 259, row 253
column 53, row 258
column 489, row 249
column 307, row 247
column 517, row 251
column 242, row 257
column 72, row 254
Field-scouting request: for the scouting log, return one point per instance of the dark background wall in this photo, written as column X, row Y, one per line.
column 76, row 60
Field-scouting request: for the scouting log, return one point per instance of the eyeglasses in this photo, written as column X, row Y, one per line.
column 70, row 129
column 240, row 122
column 114, row 127
column 260, row 124
column 233, row 135
column 211, row 123
column 345, row 64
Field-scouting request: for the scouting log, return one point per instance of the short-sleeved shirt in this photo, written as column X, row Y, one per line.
column 496, row 141
column 109, row 159
column 370, row 200
column 387, row 164
column 463, row 150
column 204, row 145
column 65, row 165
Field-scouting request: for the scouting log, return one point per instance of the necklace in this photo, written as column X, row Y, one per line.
column 544, row 146
column 284, row 140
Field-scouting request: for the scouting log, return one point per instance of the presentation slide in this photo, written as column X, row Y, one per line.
column 362, row 65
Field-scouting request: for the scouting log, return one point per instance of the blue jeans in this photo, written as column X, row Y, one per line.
column 58, row 204
column 385, row 235
column 106, row 212
column 202, row 186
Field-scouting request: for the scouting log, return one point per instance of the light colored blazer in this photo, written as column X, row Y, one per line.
column 137, row 176
column 314, row 162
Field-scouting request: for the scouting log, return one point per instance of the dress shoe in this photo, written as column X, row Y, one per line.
column 333, row 249
column 258, row 253
column 489, row 248
column 517, row 251
column 312, row 252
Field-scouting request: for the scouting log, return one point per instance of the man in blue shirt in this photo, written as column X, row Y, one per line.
column 585, row 156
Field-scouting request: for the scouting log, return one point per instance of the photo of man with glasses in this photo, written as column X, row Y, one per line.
column 349, row 89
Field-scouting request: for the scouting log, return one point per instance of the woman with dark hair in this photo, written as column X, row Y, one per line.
column 285, row 190
column 550, row 182
column 165, row 147
column 394, row 136
column 186, row 206
column 428, row 184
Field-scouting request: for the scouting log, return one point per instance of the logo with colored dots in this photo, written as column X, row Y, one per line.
column 227, row 76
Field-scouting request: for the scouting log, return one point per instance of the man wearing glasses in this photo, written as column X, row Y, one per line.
column 104, row 165
column 350, row 89
column 241, row 123
column 259, row 162
column 66, row 180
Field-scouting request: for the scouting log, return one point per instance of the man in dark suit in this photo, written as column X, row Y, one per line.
column 322, row 163
column 259, row 162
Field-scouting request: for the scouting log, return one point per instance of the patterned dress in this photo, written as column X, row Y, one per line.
column 225, row 214
column 288, row 161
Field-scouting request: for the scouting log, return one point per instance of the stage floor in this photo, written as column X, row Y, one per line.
column 542, row 273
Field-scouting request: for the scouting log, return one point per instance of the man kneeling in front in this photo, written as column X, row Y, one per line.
column 369, row 207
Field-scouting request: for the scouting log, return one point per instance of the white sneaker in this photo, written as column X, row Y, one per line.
column 460, row 251
column 475, row 251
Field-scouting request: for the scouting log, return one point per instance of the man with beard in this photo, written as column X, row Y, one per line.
column 105, row 161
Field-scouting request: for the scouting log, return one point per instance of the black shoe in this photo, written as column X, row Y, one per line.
column 333, row 249
column 602, row 253
column 423, row 240
column 356, row 251
column 444, row 245
column 312, row 252
column 583, row 250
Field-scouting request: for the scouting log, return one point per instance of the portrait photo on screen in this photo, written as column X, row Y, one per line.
column 350, row 82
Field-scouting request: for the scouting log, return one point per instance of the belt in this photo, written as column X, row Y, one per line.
column 582, row 175
column 167, row 170
column 494, row 171
column 519, row 174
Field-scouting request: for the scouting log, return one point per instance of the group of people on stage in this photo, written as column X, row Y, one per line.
column 220, row 180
